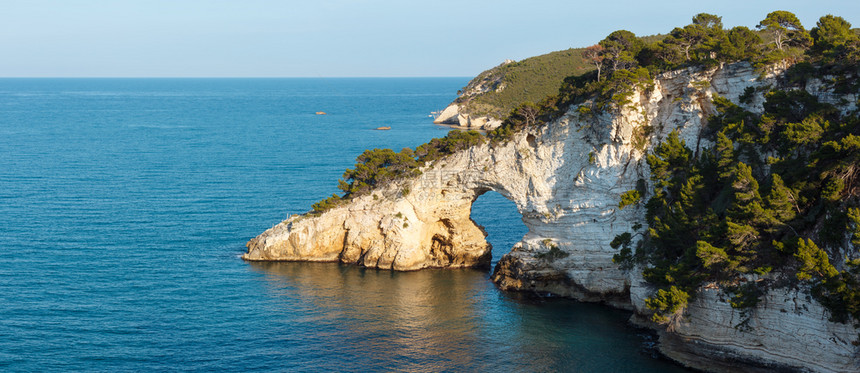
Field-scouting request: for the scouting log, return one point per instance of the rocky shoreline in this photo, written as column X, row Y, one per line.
column 565, row 179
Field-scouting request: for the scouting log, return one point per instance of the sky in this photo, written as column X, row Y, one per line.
column 335, row 38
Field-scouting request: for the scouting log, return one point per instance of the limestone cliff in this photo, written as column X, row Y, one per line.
column 565, row 179
column 489, row 97
column 455, row 115
column 460, row 114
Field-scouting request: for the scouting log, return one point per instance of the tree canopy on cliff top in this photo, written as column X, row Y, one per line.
column 729, row 213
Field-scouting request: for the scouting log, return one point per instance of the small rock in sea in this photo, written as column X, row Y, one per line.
column 384, row 128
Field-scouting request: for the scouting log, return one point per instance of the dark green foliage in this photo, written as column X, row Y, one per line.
column 553, row 254
column 624, row 258
column 454, row 141
column 853, row 214
column 785, row 29
column 841, row 294
column 805, row 133
column 618, row 88
column 813, row 261
column 686, row 38
column 621, row 240
column 791, row 106
column 712, row 258
column 747, row 96
column 629, row 197
column 526, row 115
column 800, row 73
column 620, row 49
column 529, row 80
column 781, row 201
column 744, row 296
column 669, row 161
column 699, row 42
column 747, row 203
column 667, row 303
column 327, row 203
column 832, row 39
column 725, row 214
column 725, row 151
column 377, row 167
column 710, row 22
column 740, row 43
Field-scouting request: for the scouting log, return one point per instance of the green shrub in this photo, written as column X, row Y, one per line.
column 327, row 203
column 553, row 254
column 711, row 220
column 452, row 142
column 747, row 96
column 624, row 258
column 529, row 80
column 745, row 296
column 629, row 197
column 666, row 303
column 378, row 167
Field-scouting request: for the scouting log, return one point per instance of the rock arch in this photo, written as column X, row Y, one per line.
column 501, row 221
column 565, row 179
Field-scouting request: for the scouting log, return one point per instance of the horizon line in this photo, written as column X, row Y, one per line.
column 232, row 77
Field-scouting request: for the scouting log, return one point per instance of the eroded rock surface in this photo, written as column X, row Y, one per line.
column 452, row 115
column 566, row 179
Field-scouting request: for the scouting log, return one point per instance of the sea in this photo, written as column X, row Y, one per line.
column 125, row 205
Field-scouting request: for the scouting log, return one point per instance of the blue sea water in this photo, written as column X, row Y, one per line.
column 125, row 204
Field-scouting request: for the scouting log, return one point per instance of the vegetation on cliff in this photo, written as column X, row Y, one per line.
column 379, row 167
column 627, row 62
column 530, row 80
column 775, row 201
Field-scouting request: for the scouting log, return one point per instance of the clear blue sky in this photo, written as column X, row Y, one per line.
column 331, row 38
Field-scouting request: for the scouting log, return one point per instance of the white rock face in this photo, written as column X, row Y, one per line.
column 452, row 116
column 788, row 331
column 449, row 115
column 566, row 179
column 456, row 114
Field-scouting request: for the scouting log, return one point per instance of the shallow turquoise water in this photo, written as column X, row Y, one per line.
column 125, row 204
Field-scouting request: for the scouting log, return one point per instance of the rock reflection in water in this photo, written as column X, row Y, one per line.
column 442, row 320
column 420, row 320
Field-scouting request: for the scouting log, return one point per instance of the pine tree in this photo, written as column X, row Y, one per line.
column 620, row 49
column 854, row 218
column 781, row 201
column 670, row 158
column 740, row 43
column 786, row 29
column 747, row 206
column 813, row 261
column 832, row 37
column 725, row 157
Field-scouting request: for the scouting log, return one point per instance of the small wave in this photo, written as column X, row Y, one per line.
column 158, row 126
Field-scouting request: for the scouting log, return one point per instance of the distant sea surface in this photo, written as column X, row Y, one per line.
column 125, row 204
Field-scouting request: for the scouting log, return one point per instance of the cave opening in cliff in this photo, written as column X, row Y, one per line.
column 501, row 220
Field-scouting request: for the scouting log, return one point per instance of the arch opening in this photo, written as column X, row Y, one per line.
column 501, row 220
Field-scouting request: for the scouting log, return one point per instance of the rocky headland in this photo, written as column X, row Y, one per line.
column 565, row 179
